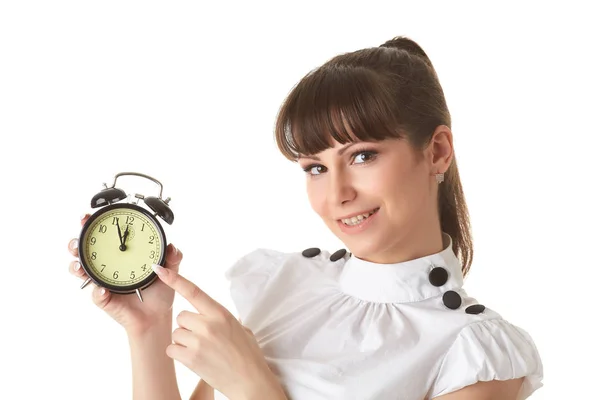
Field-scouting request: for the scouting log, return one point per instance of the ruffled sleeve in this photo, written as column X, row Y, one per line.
column 249, row 278
column 490, row 350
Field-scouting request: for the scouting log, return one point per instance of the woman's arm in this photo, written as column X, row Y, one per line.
column 153, row 371
column 491, row 390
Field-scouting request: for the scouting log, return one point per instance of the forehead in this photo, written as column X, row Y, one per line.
column 331, row 146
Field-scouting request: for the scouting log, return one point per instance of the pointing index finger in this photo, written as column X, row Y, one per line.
column 192, row 293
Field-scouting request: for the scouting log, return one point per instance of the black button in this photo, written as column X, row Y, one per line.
column 337, row 255
column 452, row 299
column 475, row 309
column 313, row 251
column 438, row 276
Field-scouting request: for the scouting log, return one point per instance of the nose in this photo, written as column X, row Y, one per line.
column 340, row 189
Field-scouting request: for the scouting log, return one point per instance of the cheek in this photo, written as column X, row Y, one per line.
column 403, row 192
column 412, row 195
column 316, row 197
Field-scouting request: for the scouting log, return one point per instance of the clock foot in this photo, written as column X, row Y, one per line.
column 86, row 283
column 139, row 293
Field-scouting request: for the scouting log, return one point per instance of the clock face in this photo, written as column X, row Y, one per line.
column 118, row 246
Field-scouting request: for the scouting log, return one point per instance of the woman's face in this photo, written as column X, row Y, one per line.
column 378, row 198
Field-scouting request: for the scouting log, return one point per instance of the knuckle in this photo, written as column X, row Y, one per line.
column 195, row 342
column 195, row 292
column 222, row 318
column 210, row 331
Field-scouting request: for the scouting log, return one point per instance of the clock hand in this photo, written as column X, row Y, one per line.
column 119, row 230
column 123, row 247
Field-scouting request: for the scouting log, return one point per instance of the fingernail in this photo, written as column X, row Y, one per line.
column 75, row 244
column 174, row 249
column 76, row 266
column 102, row 292
column 158, row 269
column 82, row 216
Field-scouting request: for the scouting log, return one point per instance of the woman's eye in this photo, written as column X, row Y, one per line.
column 364, row 156
column 360, row 157
column 314, row 169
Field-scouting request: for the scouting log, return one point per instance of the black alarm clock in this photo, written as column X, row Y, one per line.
column 119, row 243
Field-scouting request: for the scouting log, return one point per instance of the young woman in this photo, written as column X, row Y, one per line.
column 386, row 318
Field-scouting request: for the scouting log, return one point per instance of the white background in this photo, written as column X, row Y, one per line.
column 188, row 93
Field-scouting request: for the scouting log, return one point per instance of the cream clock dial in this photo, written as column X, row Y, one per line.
column 120, row 245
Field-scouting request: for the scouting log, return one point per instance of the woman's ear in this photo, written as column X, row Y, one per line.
column 441, row 149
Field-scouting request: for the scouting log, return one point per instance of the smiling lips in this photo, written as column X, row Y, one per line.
column 357, row 219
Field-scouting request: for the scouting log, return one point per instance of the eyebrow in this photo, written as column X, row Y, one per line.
column 340, row 152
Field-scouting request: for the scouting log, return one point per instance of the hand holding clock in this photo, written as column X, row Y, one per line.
column 127, row 310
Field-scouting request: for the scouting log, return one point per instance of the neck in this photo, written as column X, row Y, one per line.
column 417, row 243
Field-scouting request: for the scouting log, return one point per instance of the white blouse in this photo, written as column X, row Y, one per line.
column 333, row 326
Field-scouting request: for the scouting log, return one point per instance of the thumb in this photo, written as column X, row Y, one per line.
column 174, row 257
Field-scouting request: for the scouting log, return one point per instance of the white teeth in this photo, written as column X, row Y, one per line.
column 357, row 219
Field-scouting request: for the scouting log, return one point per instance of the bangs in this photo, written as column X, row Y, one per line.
column 336, row 103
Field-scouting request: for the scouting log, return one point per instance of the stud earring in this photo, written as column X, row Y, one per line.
column 439, row 178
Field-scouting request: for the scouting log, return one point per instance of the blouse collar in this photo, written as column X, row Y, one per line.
column 403, row 282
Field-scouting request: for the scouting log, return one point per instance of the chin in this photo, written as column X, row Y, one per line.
column 360, row 247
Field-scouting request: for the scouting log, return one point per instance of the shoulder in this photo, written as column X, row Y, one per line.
column 259, row 279
column 483, row 347
column 257, row 259
column 267, row 261
column 250, row 275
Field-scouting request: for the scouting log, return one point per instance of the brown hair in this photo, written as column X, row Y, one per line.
column 390, row 91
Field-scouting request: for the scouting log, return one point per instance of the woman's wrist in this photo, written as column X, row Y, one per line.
column 159, row 325
column 153, row 370
column 267, row 386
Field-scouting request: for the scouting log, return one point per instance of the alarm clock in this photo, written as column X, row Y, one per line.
column 119, row 243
